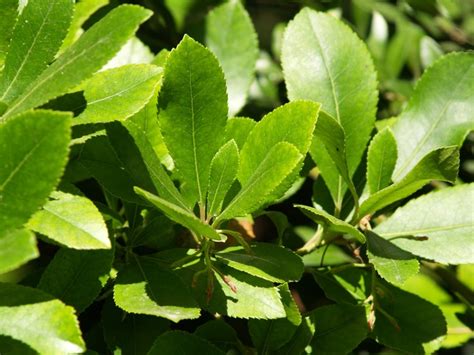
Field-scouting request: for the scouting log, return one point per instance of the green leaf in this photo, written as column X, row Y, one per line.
column 192, row 112
column 269, row 335
column 91, row 51
column 254, row 298
column 143, row 287
column 219, row 333
column 82, row 11
column 161, row 180
column 76, row 277
column 350, row 286
column 278, row 163
column 37, row 36
column 238, row 129
column 392, row 263
column 324, row 61
column 34, row 149
column 9, row 10
column 331, row 223
column 100, row 160
column 339, row 328
column 180, row 215
column 223, row 172
column 117, row 94
column 444, row 217
column 237, row 58
column 441, row 164
column 439, row 112
column 300, row 340
column 133, row 52
column 331, row 134
column 179, row 342
column 279, row 126
column 39, row 321
column 409, row 312
column 130, row 333
column 72, row 221
column 17, row 246
column 267, row 261
column 381, row 160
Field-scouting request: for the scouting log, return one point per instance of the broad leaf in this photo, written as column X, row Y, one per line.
column 143, row 287
column 38, row 34
column 267, row 261
column 9, row 17
column 444, row 217
column 324, row 61
column 33, row 150
column 338, row 328
column 192, row 111
column 72, row 221
column 292, row 123
column 350, row 286
column 36, row 319
column 439, row 114
column 179, row 342
column 300, row 340
column 133, row 52
column 180, row 215
column 220, row 333
column 237, row 58
column 275, row 166
column 381, row 160
column 331, row 223
column 441, row 164
column 408, row 311
column 223, row 172
column 130, row 333
column 118, row 93
column 392, row 263
column 331, row 134
column 91, row 51
column 17, row 246
column 238, row 129
column 269, row 335
column 76, row 277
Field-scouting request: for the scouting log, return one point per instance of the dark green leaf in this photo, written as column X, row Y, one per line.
column 381, row 160
column 179, row 342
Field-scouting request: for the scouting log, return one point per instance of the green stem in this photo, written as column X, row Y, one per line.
column 313, row 243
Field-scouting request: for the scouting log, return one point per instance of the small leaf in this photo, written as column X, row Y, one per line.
column 443, row 217
column 292, row 123
column 278, row 163
column 331, row 223
column 439, row 113
column 177, row 341
column 238, row 129
column 339, row 328
column 76, row 277
column 267, row 261
column 408, row 311
column 130, row 333
column 33, row 150
column 223, row 172
column 392, row 263
column 441, row 164
column 116, row 94
column 91, row 51
column 237, row 58
column 324, row 61
column 381, row 160
column 143, row 287
column 72, row 221
column 37, row 36
column 180, row 215
column 192, row 112
column 36, row 319
column 17, row 246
